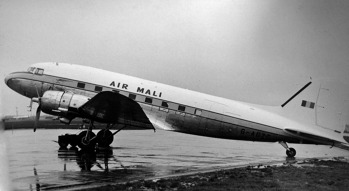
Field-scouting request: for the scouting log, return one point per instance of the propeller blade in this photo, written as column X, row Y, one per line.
column 37, row 117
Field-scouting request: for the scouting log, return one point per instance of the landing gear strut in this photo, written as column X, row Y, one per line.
column 290, row 152
column 87, row 138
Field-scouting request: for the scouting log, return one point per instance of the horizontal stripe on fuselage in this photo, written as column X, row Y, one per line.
column 89, row 89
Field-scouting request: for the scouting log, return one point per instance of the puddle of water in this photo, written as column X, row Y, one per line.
column 36, row 163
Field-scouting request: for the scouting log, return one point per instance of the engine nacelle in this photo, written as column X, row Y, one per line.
column 62, row 103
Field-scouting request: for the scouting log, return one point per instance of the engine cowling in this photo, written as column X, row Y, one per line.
column 64, row 104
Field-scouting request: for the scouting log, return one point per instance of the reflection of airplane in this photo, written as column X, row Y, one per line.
column 87, row 159
column 70, row 91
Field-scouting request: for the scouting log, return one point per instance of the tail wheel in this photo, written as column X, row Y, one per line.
column 86, row 142
column 104, row 138
column 291, row 152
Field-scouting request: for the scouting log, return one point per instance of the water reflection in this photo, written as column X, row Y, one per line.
column 37, row 182
column 86, row 159
column 37, row 163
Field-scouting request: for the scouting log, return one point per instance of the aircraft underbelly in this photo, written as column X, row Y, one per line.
column 196, row 125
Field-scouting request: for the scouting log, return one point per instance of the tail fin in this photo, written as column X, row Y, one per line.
column 325, row 105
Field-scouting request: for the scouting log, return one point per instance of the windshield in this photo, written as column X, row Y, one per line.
column 31, row 69
column 39, row 71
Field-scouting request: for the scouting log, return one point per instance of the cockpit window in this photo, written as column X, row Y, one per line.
column 31, row 69
column 39, row 71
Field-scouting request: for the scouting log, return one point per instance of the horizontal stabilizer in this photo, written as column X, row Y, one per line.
column 309, row 136
column 343, row 146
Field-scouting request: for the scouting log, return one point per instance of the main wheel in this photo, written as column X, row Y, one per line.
column 291, row 152
column 86, row 142
column 104, row 138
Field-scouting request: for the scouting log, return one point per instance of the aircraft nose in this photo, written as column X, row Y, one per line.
column 7, row 78
column 10, row 80
column 17, row 82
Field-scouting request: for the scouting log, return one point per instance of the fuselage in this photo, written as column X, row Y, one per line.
column 167, row 107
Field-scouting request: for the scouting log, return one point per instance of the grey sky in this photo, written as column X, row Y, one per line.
column 249, row 50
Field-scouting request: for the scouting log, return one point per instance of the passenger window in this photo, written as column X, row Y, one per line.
column 148, row 100
column 81, row 85
column 164, row 104
column 98, row 88
column 181, row 108
column 132, row 96
column 198, row 111
column 157, row 102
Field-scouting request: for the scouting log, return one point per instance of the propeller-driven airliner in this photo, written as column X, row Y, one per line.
column 71, row 91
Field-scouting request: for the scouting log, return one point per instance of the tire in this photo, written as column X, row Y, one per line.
column 104, row 138
column 291, row 152
column 83, row 144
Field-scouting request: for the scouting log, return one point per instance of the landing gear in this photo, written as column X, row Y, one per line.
column 290, row 152
column 68, row 139
column 87, row 140
column 104, row 138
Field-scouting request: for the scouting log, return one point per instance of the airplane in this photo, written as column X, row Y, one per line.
column 74, row 91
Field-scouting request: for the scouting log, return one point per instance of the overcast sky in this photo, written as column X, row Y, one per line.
column 249, row 50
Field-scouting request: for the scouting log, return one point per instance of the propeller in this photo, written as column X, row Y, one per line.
column 38, row 110
column 37, row 117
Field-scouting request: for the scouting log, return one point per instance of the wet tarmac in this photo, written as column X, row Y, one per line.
column 37, row 163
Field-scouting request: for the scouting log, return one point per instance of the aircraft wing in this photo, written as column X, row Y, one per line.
column 112, row 107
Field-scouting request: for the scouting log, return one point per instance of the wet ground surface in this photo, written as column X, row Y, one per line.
column 313, row 174
column 37, row 163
